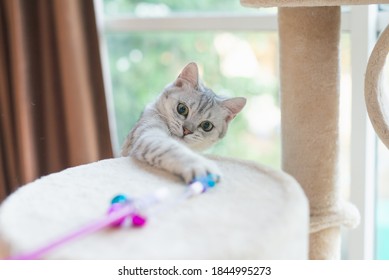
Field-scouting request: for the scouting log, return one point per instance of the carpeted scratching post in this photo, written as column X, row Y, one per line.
column 254, row 212
column 309, row 86
column 309, row 32
column 376, row 101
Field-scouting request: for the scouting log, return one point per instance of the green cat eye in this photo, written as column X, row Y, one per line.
column 206, row 126
column 182, row 109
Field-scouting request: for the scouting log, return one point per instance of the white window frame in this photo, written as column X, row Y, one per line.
column 366, row 23
column 362, row 22
column 361, row 241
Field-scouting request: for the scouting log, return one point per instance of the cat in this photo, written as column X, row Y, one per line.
column 186, row 118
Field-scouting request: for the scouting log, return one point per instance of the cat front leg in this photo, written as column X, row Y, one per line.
column 198, row 167
column 158, row 149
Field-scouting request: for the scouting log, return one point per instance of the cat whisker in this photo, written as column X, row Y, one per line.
column 158, row 137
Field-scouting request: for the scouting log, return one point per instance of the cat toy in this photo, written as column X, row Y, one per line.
column 124, row 211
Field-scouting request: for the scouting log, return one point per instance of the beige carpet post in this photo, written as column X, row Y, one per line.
column 309, row 52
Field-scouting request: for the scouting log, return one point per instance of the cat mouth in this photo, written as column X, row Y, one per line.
column 178, row 137
column 181, row 138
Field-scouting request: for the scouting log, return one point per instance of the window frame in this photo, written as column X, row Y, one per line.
column 363, row 141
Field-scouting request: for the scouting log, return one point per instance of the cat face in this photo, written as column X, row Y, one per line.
column 194, row 114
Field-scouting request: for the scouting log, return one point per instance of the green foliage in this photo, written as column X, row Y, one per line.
column 141, row 64
column 114, row 7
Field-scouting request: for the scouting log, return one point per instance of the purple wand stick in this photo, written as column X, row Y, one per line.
column 120, row 210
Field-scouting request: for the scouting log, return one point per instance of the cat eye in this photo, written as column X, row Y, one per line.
column 182, row 109
column 206, row 126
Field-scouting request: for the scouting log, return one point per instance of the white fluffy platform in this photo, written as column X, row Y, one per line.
column 253, row 213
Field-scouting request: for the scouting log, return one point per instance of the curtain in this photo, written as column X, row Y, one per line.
column 53, row 111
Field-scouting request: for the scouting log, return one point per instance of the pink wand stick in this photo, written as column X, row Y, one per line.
column 121, row 209
column 90, row 228
column 115, row 217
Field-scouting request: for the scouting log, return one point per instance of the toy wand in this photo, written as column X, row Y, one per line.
column 121, row 210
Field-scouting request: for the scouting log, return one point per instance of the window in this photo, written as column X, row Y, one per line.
column 237, row 51
column 382, row 218
column 143, row 57
column 382, row 215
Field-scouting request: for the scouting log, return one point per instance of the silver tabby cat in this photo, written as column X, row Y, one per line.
column 186, row 118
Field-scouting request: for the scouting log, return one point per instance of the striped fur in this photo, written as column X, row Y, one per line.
column 159, row 137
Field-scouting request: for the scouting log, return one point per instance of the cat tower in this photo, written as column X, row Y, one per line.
column 309, row 32
column 254, row 212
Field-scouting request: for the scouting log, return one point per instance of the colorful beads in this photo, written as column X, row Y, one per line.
column 208, row 181
column 113, row 208
column 121, row 198
column 198, row 186
column 122, row 210
column 117, row 203
column 213, row 179
column 138, row 220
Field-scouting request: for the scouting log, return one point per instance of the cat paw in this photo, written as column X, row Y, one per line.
column 199, row 168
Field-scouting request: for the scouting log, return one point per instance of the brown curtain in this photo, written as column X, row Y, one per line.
column 52, row 104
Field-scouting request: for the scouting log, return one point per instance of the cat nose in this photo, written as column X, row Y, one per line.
column 186, row 131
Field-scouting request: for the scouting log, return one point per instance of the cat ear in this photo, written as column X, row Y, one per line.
column 234, row 106
column 190, row 74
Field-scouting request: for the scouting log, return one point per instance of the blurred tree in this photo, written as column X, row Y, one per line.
column 231, row 63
